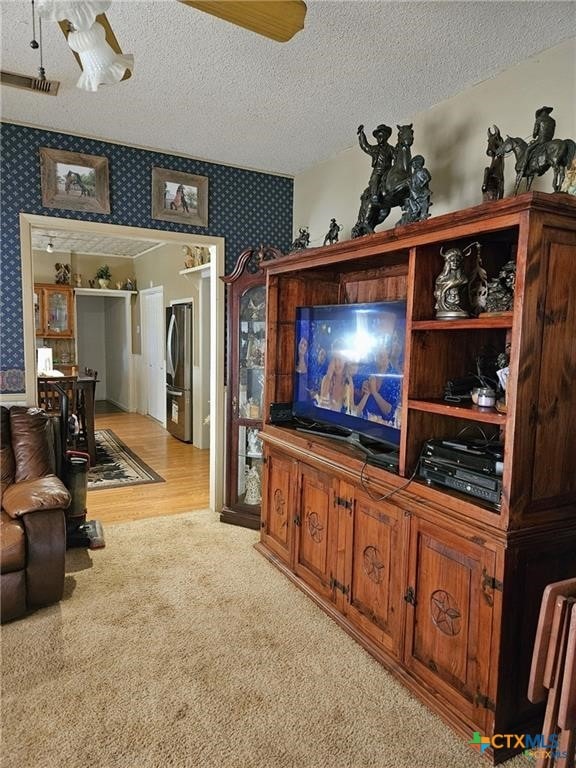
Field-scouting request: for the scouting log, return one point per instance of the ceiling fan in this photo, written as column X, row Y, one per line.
column 94, row 44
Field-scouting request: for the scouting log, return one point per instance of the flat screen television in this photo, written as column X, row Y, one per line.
column 348, row 372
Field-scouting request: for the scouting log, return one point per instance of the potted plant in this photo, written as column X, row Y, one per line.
column 104, row 276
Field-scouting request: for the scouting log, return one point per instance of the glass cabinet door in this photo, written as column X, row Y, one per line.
column 251, row 340
column 38, row 311
column 246, row 326
column 57, row 312
column 252, row 332
column 250, row 452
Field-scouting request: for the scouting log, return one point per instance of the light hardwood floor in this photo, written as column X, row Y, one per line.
column 184, row 468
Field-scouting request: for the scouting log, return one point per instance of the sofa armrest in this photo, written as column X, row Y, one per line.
column 45, row 532
column 43, row 493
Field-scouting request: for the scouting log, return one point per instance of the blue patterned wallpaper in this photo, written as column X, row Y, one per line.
column 245, row 207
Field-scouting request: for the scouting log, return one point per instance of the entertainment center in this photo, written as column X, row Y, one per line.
column 441, row 586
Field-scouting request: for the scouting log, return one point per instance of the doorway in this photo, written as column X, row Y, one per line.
column 217, row 315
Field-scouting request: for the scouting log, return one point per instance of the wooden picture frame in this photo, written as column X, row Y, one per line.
column 73, row 181
column 179, row 197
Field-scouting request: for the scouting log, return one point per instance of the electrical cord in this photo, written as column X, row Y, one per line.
column 364, row 481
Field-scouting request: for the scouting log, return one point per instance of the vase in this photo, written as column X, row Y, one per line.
column 103, row 283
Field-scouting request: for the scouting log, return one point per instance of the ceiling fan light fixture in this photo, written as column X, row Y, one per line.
column 101, row 65
column 80, row 13
column 50, row 247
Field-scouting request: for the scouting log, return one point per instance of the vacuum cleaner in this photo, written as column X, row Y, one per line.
column 79, row 531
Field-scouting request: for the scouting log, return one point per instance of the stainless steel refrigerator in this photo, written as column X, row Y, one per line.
column 179, row 371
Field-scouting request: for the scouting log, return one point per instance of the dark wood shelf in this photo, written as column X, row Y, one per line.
column 497, row 320
column 459, row 410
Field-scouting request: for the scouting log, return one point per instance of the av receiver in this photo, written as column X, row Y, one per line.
column 466, row 466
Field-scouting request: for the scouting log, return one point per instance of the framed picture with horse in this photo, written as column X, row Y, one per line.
column 74, row 181
column 179, row 197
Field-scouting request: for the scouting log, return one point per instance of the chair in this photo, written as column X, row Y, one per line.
column 72, row 399
column 553, row 672
column 85, row 410
column 50, row 393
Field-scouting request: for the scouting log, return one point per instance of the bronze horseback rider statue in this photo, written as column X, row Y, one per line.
column 391, row 180
column 542, row 153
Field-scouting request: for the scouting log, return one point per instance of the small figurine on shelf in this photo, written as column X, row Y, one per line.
column 303, row 239
column 254, row 443
column 450, row 286
column 477, row 282
column 189, row 260
column 500, row 296
column 332, row 234
column 253, row 487
column 77, row 280
column 63, row 272
column 130, row 284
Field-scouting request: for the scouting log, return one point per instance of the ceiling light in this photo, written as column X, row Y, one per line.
column 50, row 247
column 100, row 63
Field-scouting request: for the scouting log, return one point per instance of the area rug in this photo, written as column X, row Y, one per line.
column 179, row 645
column 117, row 465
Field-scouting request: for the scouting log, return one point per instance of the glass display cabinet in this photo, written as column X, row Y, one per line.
column 246, row 328
column 54, row 323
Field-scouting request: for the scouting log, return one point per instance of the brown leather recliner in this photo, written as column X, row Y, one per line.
column 32, row 524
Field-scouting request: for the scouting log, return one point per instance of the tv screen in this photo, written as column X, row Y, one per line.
column 349, row 368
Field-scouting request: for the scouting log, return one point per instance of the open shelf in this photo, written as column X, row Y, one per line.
column 459, row 410
column 497, row 320
column 203, row 270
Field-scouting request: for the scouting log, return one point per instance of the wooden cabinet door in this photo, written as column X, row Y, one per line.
column 449, row 618
column 373, row 567
column 58, row 311
column 316, row 524
column 278, row 508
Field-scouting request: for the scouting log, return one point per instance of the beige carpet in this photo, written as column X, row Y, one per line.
column 179, row 645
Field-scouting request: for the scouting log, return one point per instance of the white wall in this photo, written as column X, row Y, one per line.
column 91, row 339
column 452, row 138
column 117, row 353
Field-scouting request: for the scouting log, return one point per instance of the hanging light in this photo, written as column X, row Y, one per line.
column 50, row 246
column 101, row 64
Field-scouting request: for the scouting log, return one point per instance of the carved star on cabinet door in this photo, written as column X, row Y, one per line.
column 372, row 564
column 445, row 612
column 315, row 527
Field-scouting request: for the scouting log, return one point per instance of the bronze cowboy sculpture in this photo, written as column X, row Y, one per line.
column 541, row 154
column 395, row 180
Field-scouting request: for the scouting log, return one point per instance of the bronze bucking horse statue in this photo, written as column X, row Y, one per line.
column 394, row 187
column 557, row 154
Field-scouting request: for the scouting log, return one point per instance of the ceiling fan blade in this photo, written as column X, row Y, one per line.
column 277, row 19
column 110, row 39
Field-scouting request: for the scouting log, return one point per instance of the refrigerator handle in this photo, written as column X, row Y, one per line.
column 173, row 393
column 172, row 328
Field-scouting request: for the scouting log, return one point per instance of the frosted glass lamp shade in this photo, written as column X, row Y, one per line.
column 100, row 63
column 81, row 14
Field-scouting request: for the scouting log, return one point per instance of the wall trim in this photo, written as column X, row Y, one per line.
column 217, row 320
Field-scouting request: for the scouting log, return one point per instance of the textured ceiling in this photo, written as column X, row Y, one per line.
column 66, row 242
column 205, row 88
